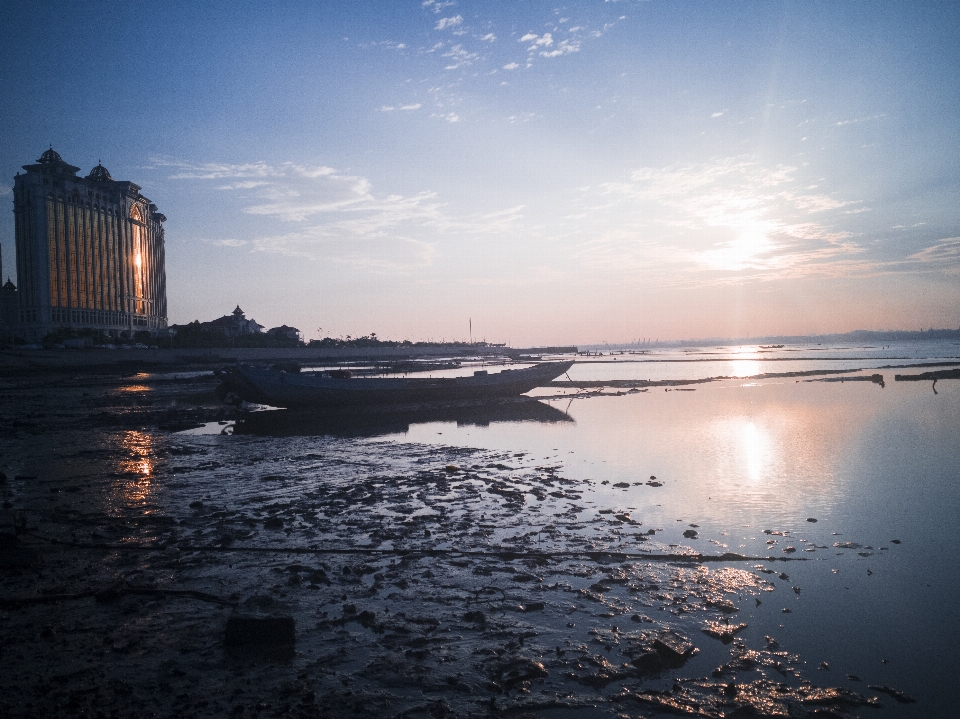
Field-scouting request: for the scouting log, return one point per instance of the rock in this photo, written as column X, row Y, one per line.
column 896, row 694
column 648, row 662
column 368, row 619
column 521, row 670
column 532, row 606
column 673, row 648
column 722, row 631
column 622, row 485
column 812, row 519
column 319, row 577
column 196, row 505
column 452, row 468
column 260, row 633
column 690, row 533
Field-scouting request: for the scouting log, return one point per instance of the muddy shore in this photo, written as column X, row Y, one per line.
column 421, row 581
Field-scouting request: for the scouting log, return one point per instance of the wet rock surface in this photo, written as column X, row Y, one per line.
column 318, row 576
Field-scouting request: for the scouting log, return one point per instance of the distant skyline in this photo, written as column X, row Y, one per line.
column 582, row 173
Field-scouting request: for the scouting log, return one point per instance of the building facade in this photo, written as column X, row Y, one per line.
column 90, row 252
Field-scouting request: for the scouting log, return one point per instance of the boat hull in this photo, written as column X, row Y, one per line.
column 286, row 389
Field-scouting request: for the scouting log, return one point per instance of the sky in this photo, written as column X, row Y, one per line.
column 580, row 173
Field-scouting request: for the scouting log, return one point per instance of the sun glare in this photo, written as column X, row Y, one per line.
column 743, row 252
column 756, row 450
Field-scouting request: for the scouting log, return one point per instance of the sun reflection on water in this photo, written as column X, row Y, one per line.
column 757, row 449
column 136, row 468
column 744, row 368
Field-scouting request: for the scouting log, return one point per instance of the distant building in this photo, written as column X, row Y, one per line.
column 234, row 324
column 90, row 252
column 233, row 330
column 8, row 307
column 284, row 335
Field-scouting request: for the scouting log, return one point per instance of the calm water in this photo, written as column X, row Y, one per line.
column 870, row 464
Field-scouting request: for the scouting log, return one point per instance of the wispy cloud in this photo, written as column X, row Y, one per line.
column 218, row 171
column 341, row 218
column 243, row 185
column 564, row 48
column 402, row 108
column 228, row 243
column 538, row 41
column 727, row 220
column 860, row 119
column 438, row 6
column 448, row 22
column 945, row 254
column 459, row 57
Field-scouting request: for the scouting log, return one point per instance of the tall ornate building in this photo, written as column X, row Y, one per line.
column 89, row 251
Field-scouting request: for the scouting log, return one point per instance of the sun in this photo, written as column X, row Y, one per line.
column 745, row 251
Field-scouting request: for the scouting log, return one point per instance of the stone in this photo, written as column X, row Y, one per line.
column 673, row 648
column 265, row 633
column 648, row 662
column 898, row 695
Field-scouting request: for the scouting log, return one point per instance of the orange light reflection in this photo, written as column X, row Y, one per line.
column 136, row 469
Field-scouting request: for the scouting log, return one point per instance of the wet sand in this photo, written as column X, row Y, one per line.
column 423, row 580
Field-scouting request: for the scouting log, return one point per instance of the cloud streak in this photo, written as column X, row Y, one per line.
column 727, row 220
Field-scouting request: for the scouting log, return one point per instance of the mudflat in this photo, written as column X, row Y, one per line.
column 146, row 571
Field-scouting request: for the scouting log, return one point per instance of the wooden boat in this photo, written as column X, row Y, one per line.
column 372, row 420
column 280, row 388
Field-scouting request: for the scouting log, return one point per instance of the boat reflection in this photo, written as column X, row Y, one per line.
column 370, row 422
